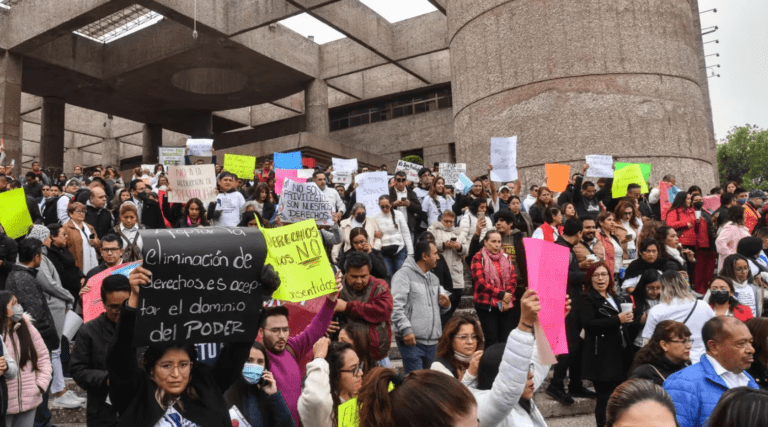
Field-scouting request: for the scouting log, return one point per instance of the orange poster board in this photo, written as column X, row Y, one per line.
column 557, row 176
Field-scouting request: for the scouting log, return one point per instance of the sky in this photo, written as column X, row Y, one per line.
column 739, row 96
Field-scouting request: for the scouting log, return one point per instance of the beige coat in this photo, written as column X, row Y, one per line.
column 75, row 241
column 452, row 257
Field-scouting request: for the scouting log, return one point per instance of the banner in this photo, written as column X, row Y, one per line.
column 410, row 169
column 451, row 171
column 344, row 165
column 186, row 182
column 557, row 176
column 665, row 201
column 297, row 253
column 205, row 285
column 288, row 160
column 302, row 201
column 14, row 215
column 242, row 166
column 548, row 276
column 199, row 147
column 171, row 156
column 644, row 167
column 600, row 166
column 504, row 159
column 92, row 304
column 282, row 174
column 371, row 186
column 463, row 184
column 344, row 178
column 631, row 174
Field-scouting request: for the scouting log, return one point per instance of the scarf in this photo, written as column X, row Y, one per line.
column 492, row 273
column 638, row 266
column 462, row 358
column 610, row 252
column 674, row 253
column 189, row 221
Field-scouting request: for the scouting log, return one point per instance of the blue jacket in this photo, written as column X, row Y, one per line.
column 696, row 391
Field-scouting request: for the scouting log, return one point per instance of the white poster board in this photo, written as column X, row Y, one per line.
column 200, row 147
column 344, row 165
column 304, row 200
column 305, row 173
column 411, row 169
column 451, row 171
column 504, row 159
column 171, row 156
column 600, row 166
column 186, row 182
column 343, row 178
column 371, row 186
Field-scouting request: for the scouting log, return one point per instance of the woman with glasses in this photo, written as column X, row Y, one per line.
column 396, row 242
column 333, row 377
column 668, row 351
column 628, row 227
column 359, row 238
column 722, row 300
column 736, row 269
column 460, row 348
column 81, row 238
column 607, row 351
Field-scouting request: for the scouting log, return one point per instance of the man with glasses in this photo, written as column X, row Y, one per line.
column 406, row 201
column 111, row 251
column 89, row 358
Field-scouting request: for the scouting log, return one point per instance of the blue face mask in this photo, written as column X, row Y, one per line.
column 742, row 201
column 252, row 373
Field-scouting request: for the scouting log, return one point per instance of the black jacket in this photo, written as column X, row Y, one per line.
column 664, row 367
column 379, row 269
column 607, row 348
column 65, row 265
column 100, row 218
column 150, row 215
column 22, row 283
column 415, row 212
column 132, row 390
column 9, row 249
column 590, row 208
column 89, row 369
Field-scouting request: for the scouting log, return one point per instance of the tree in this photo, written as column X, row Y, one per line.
column 414, row 159
column 743, row 157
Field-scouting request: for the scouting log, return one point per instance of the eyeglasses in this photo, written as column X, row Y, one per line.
column 465, row 338
column 110, row 250
column 354, row 371
column 684, row 342
column 384, row 206
column 742, row 269
column 114, row 307
column 400, row 179
column 601, row 275
column 78, row 211
column 285, row 330
column 167, row 369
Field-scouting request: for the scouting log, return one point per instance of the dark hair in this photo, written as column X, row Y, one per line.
column 735, row 214
column 474, row 205
column 661, row 237
column 591, row 271
column 226, row 174
column 564, row 207
column 335, row 359
column 750, row 247
column 715, row 191
column 150, row 358
column 633, row 392
column 714, row 329
column 247, row 217
column 425, row 236
column 132, row 185
column 54, row 228
column 401, row 174
column 586, row 184
column 489, row 366
column 633, row 186
column 238, row 393
column 113, row 237
column 201, row 206
column 726, row 198
column 761, row 232
column 488, row 235
column 649, row 276
column 550, row 214
column 603, row 216
column 420, row 249
column 534, row 186
column 279, row 310
column 26, row 352
column 693, row 189
column 505, row 215
column 572, row 226
column 740, row 407
column 732, row 302
column 729, row 267
column 361, row 343
column 445, row 349
column 666, row 330
column 391, row 210
column 679, row 201
column 31, row 174
column 356, row 232
column 758, row 327
column 114, row 283
column 357, row 259
column 647, row 243
column 316, row 173
column 740, row 190
column 28, row 249
column 424, row 398
column 423, row 171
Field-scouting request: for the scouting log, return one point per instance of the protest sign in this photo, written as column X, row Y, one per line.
column 548, row 276
column 344, row 178
column 463, row 184
column 302, row 201
column 344, row 165
column 600, row 166
column 308, row 162
column 171, row 156
column 665, row 202
column 371, row 186
column 504, row 159
column 644, row 167
column 288, row 160
column 242, row 166
column 305, row 174
column 631, row 174
column 349, row 413
column 204, row 286
column 297, row 253
column 451, row 171
column 199, row 147
column 150, row 168
column 711, row 203
column 186, row 182
column 92, row 305
column 557, row 176
column 410, row 169
column 14, row 215
column 282, row 174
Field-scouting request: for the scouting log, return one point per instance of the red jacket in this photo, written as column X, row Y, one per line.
column 751, row 217
column 741, row 312
column 373, row 307
column 485, row 294
column 679, row 220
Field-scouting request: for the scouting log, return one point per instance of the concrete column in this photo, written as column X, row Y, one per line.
column 72, row 155
column 153, row 138
column 316, row 108
column 10, row 108
column 110, row 147
column 52, row 132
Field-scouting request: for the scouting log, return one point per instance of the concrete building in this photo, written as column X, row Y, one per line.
column 569, row 77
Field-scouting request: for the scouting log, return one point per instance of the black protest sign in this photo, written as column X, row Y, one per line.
column 204, row 287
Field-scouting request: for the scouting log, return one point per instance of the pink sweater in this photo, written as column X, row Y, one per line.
column 27, row 385
column 728, row 240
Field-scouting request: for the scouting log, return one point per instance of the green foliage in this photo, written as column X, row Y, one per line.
column 414, row 159
column 743, row 157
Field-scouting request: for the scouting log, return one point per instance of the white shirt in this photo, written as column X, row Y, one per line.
column 61, row 207
column 130, row 234
column 332, row 196
column 746, row 295
column 399, row 236
column 678, row 310
column 90, row 260
column 528, row 201
column 229, row 204
column 731, row 380
column 539, row 234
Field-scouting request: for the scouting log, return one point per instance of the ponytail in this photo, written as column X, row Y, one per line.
column 391, row 211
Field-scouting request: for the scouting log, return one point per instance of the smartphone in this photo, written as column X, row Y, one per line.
column 91, row 237
column 402, row 199
column 453, row 239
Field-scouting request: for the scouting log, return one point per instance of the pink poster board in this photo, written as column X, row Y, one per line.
column 548, row 275
column 92, row 306
column 281, row 174
column 711, row 203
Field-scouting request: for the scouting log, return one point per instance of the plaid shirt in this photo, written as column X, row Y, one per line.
column 485, row 293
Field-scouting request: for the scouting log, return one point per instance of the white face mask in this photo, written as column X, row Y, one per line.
column 18, row 311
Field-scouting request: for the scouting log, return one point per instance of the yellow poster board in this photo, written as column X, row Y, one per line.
column 242, row 166
column 297, row 253
column 349, row 413
column 14, row 215
column 631, row 174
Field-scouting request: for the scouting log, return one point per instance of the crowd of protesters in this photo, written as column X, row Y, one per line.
column 664, row 315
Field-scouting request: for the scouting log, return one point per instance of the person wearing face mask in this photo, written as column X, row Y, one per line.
column 148, row 210
column 752, row 208
column 255, row 393
column 358, row 219
column 396, row 243
column 746, row 291
column 730, row 234
column 722, row 300
column 705, row 253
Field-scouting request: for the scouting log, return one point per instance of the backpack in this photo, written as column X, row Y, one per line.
column 50, row 213
column 131, row 252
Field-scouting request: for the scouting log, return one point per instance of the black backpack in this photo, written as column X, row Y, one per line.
column 50, row 213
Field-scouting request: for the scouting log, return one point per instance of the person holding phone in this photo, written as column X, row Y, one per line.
column 81, row 238
column 453, row 251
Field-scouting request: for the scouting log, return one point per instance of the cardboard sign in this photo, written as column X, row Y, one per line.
column 557, row 176
column 288, row 160
column 371, row 186
column 504, row 159
column 302, row 201
column 711, row 204
column 305, row 174
column 410, row 169
column 344, row 178
column 344, row 165
column 463, row 184
column 548, row 276
column 199, row 147
column 242, row 166
column 645, row 167
column 281, row 175
column 205, row 285
column 14, row 215
column 171, row 156
column 631, row 174
column 297, row 253
column 187, row 182
column 451, row 171
column 92, row 304
column 600, row 166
